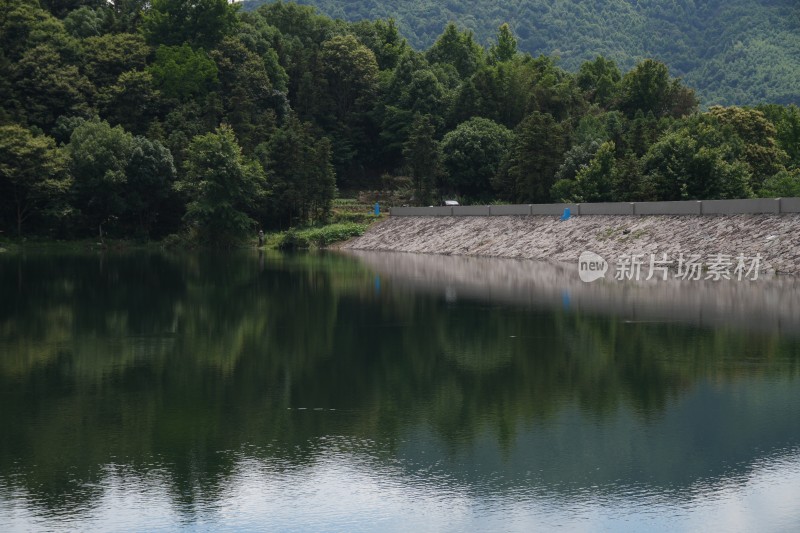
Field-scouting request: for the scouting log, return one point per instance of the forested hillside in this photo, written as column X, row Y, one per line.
column 731, row 51
column 192, row 117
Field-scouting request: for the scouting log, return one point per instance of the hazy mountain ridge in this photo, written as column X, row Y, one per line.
column 734, row 52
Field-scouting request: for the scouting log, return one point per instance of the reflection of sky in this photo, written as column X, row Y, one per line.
column 733, row 467
column 350, row 491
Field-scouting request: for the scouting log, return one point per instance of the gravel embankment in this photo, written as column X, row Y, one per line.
column 775, row 237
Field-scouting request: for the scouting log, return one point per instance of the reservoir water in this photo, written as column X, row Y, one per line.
column 390, row 392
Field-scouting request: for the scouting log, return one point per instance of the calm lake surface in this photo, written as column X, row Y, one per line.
column 322, row 392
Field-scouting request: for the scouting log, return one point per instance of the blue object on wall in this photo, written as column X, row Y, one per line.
column 565, row 216
column 377, row 209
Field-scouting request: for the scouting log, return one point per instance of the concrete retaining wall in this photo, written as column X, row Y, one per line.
column 616, row 208
column 790, row 205
column 509, row 210
column 471, row 211
column 739, row 207
column 693, row 207
column 554, row 209
column 668, row 208
column 421, row 211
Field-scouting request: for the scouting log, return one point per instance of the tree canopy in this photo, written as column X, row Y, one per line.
column 193, row 116
column 733, row 52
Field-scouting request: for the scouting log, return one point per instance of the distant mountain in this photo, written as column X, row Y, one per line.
column 731, row 51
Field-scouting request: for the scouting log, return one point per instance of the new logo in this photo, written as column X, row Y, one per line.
column 591, row 267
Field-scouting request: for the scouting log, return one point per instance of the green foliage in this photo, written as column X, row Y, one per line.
column 301, row 178
column 32, row 173
column 99, row 157
column 222, row 186
column 200, row 23
column 136, row 92
column 695, row 162
column 506, row 47
column 132, row 102
column 528, row 172
column 360, row 218
column 759, row 148
column 351, row 74
column 472, row 154
column 384, row 39
column 150, row 174
column 600, row 80
column 320, row 237
column 734, row 52
column 784, row 184
column 457, row 48
column 181, row 72
column 107, row 56
column 575, row 159
column 85, row 22
column 595, row 181
column 423, row 158
column 251, row 105
column 786, row 120
column 47, row 86
column 649, row 89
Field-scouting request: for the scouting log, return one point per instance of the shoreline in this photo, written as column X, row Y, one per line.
column 775, row 237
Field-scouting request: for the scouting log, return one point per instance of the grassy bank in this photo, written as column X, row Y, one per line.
column 317, row 236
column 349, row 218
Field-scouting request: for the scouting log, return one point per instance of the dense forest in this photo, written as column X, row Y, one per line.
column 733, row 52
column 194, row 117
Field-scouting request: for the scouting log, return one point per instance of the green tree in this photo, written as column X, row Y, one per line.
column 48, row 86
column 351, row 73
column 221, row 186
column 32, row 172
column 199, row 23
column 150, row 175
column 600, row 80
column 506, row 47
column 784, row 184
column 384, row 39
column 127, row 15
column 421, row 93
column 109, row 55
column 250, row 103
column 472, row 154
column 786, row 120
column 182, row 72
column 349, row 82
column 759, row 148
column 649, row 88
column 536, row 153
column 595, row 182
column 60, row 8
column 98, row 160
column 423, row 158
column 302, row 181
column 457, row 48
column 576, row 158
column 694, row 163
column 86, row 22
column 132, row 102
